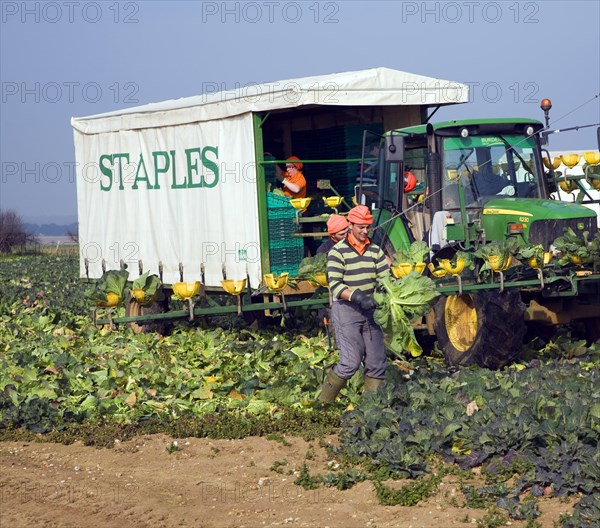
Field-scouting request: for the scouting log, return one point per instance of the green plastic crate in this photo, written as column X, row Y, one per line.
column 286, row 255
column 279, row 207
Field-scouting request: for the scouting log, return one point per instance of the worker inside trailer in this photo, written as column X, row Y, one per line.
column 292, row 180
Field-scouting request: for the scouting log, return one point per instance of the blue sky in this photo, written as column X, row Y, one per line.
column 76, row 58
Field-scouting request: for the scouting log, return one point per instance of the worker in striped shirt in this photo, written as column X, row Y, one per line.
column 353, row 266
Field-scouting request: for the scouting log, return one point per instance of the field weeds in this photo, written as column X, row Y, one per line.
column 531, row 432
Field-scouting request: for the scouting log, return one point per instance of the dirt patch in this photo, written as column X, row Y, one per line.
column 202, row 483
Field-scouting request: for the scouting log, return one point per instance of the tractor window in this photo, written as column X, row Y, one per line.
column 415, row 162
column 492, row 166
column 390, row 191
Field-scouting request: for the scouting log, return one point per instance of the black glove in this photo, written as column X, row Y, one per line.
column 366, row 302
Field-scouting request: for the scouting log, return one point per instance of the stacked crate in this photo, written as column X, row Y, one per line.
column 285, row 250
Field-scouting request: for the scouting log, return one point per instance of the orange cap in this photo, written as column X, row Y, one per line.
column 410, row 181
column 336, row 223
column 360, row 215
column 296, row 161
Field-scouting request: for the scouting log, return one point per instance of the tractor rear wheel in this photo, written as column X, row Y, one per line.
column 133, row 308
column 484, row 329
column 592, row 330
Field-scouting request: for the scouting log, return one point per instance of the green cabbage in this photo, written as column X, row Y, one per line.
column 400, row 302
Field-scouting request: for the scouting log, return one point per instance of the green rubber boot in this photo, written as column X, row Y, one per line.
column 371, row 384
column 331, row 386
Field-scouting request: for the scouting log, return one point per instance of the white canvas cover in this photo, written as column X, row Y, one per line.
column 373, row 87
column 169, row 206
column 188, row 193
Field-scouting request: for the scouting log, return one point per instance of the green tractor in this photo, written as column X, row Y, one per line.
column 480, row 184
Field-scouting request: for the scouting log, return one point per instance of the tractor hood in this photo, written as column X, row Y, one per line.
column 536, row 209
column 542, row 221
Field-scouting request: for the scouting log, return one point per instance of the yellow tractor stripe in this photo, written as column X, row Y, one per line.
column 506, row 212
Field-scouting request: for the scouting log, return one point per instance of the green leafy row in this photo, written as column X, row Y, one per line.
column 542, row 422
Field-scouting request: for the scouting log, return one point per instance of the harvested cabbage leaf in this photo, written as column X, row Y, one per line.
column 400, row 302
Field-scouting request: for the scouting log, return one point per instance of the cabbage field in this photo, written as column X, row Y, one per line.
column 532, row 428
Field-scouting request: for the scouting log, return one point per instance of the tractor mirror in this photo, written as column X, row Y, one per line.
column 394, row 148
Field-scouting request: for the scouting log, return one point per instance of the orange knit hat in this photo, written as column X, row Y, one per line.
column 336, row 223
column 360, row 215
column 296, row 161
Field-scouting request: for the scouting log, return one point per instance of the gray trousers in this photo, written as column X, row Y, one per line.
column 359, row 340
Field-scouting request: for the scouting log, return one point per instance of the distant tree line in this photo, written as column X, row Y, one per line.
column 13, row 232
column 51, row 229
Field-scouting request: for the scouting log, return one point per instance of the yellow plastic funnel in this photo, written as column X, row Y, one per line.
column 567, row 186
column 138, row 294
column 555, row 163
column 112, row 299
column 275, row 283
column 453, row 270
column 535, row 264
column 320, row 280
column 591, row 158
column 300, row 203
column 438, row 273
column 570, row 160
column 402, row 269
column 332, row 201
column 186, row 290
column 494, row 261
column 233, row 287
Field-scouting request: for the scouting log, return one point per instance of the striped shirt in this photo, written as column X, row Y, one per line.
column 346, row 268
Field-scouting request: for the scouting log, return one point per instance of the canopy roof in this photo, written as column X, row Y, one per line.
column 373, row 87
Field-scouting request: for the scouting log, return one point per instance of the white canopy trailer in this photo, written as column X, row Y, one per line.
column 180, row 184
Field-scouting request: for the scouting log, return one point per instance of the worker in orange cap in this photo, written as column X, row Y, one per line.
column 353, row 266
column 337, row 227
column 293, row 181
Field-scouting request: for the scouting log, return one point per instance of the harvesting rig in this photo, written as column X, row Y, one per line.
column 487, row 179
column 175, row 202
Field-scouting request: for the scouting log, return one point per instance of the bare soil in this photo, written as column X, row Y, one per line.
column 206, row 483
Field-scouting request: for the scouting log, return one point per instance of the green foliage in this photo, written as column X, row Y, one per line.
column 409, row 494
column 277, row 465
column 473, row 498
column 398, row 303
column 533, row 427
column 311, row 266
column 278, row 438
column 57, row 370
column 151, row 285
column 42, row 282
column 585, row 513
column 492, row 519
column 416, row 253
column 111, row 282
column 503, row 249
column 525, row 253
column 344, row 479
column 173, row 447
column 585, row 249
column 306, row 480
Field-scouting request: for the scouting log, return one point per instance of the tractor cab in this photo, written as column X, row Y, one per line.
column 479, row 179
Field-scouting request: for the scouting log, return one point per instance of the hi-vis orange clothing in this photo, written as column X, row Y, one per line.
column 360, row 248
column 297, row 179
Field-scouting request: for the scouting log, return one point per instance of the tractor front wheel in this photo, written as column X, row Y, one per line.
column 484, row 329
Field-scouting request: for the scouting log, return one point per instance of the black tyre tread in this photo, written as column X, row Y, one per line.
column 499, row 335
column 592, row 330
